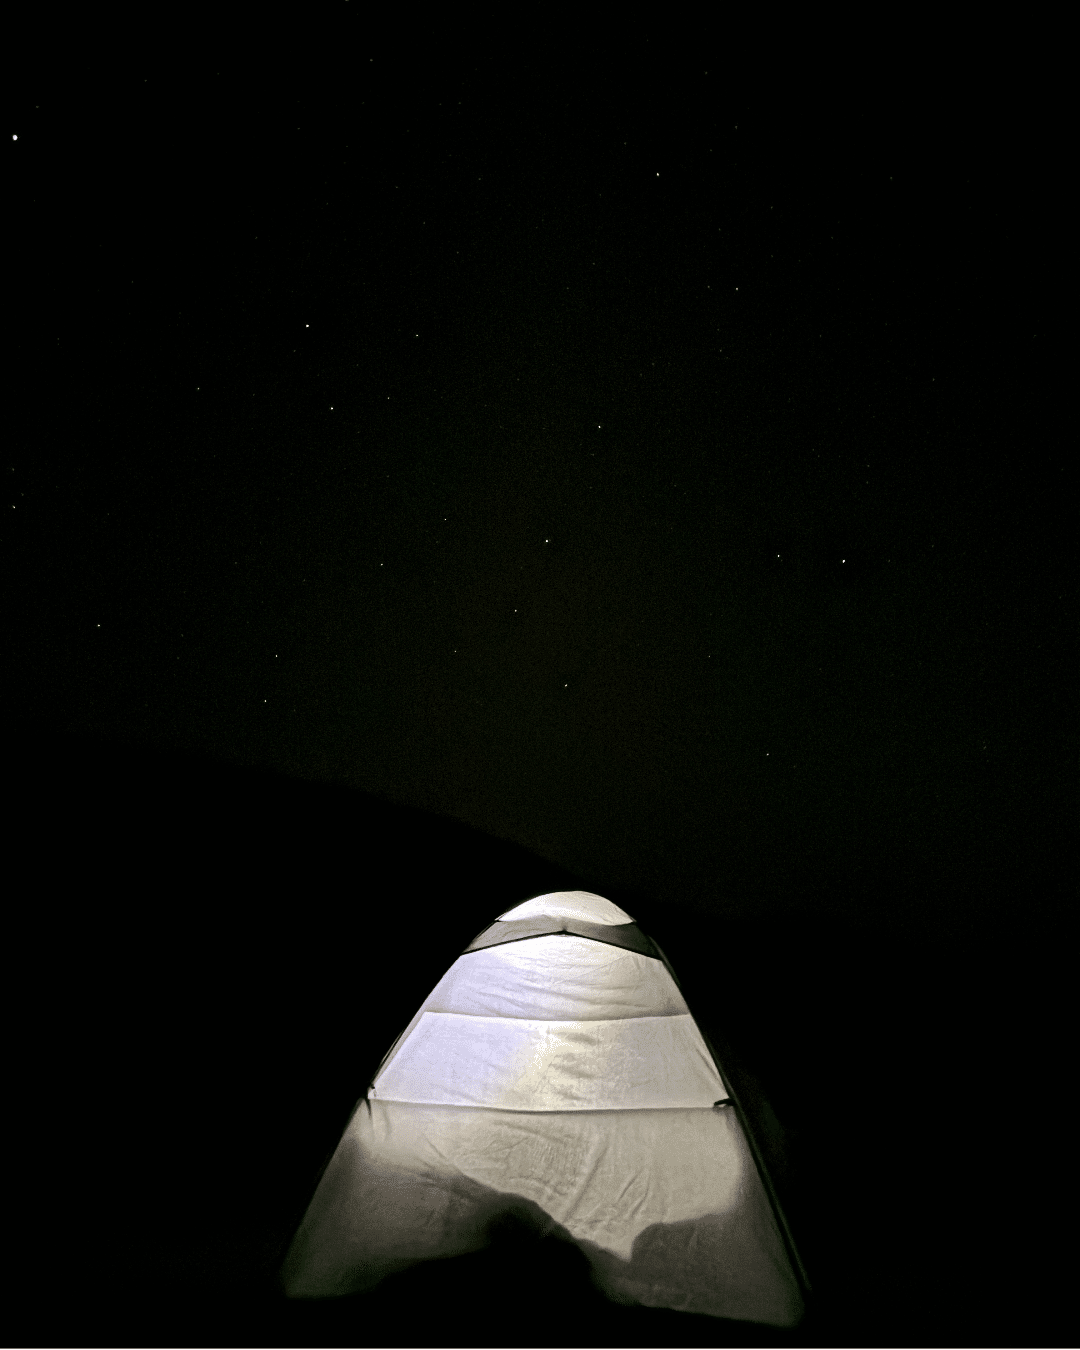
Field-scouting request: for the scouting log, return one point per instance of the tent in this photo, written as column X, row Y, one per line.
column 555, row 1069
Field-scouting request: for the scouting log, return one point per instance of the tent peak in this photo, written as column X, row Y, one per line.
column 581, row 905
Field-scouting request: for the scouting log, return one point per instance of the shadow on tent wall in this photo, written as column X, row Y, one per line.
column 530, row 1284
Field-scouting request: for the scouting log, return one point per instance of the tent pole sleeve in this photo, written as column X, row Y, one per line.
column 670, row 968
column 763, row 1171
column 759, row 1160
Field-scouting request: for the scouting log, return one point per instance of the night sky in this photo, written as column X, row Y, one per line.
column 652, row 473
column 656, row 479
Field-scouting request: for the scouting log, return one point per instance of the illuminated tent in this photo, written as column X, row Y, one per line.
column 555, row 1069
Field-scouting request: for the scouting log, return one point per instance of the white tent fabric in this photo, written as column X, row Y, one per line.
column 566, row 1074
column 569, row 905
column 524, row 1064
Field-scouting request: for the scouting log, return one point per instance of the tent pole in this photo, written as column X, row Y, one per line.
column 755, row 1150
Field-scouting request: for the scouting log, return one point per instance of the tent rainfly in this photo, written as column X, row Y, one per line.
column 556, row 1070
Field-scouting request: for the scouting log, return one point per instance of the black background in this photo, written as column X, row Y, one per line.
column 440, row 475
